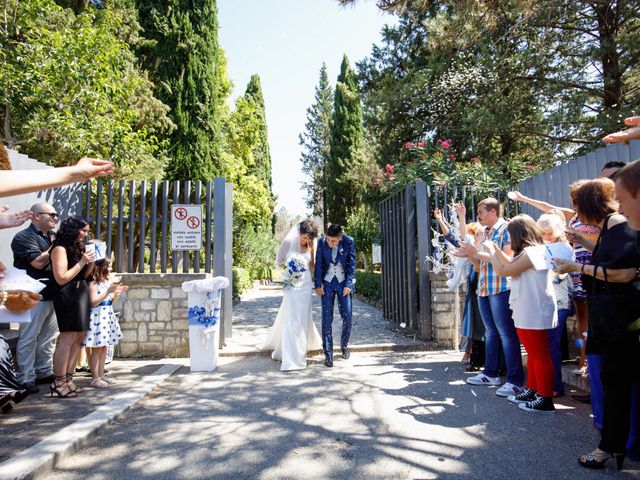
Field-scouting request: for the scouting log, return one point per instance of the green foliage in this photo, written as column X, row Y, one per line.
column 255, row 250
column 261, row 167
column 71, row 86
column 369, row 284
column 182, row 55
column 346, row 136
column 363, row 224
column 316, row 145
column 241, row 281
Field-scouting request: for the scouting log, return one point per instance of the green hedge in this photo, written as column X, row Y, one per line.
column 368, row 284
column 241, row 281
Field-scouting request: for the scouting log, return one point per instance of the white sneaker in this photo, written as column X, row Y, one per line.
column 482, row 379
column 508, row 389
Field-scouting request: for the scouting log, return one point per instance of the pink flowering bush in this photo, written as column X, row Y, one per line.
column 439, row 165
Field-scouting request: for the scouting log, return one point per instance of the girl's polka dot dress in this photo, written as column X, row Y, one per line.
column 104, row 329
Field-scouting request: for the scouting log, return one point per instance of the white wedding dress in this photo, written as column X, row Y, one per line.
column 293, row 333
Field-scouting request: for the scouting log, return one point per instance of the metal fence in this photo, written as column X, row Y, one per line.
column 133, row 218
column 553, row 185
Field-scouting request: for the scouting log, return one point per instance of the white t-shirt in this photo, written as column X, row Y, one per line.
column 532, row 298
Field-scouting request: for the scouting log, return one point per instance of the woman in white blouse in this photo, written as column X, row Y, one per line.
column 533, row 303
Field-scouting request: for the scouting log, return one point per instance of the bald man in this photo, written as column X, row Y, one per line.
column 36, row 343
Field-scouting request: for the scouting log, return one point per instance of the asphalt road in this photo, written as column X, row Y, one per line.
column 375, row 416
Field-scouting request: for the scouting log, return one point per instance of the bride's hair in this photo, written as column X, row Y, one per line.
column 307, row 227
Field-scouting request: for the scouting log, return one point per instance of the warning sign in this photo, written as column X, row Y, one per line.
column 186, row 230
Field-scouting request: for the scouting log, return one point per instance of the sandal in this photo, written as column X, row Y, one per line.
column 108, row 379
column 73, row 386
column 61, row 388
column 99, row 383
column 597, row 459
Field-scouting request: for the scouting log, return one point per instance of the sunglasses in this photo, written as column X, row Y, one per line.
column 52, row 215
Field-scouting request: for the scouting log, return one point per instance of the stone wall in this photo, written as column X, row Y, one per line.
column 445, row 310
column 154, row 315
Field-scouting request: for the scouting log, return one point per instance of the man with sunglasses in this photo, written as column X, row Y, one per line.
column 31, row 248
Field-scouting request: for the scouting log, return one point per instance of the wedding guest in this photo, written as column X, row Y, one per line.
column 472, row 327
column 532, row 300
column 36, row 343
column 610, row 168
column 493, row 301
column 583, row 255
column 627, row 192
column 552, row 230
column 72, row 264
column 104, row 329
column 612, row 308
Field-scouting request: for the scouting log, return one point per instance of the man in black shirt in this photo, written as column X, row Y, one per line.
column 31, row 248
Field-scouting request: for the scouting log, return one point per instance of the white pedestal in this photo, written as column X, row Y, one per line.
column 203, row 357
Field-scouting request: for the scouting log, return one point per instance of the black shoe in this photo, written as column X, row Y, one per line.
column 539, row 405
column 346, row 353
column 30, row 387
column 582, row 398
column 47, row 380
column 328, row 361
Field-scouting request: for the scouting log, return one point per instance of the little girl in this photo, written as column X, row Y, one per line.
column 104, row 329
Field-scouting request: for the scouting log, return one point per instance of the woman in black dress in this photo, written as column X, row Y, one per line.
column 71, row 265
column 612, row 308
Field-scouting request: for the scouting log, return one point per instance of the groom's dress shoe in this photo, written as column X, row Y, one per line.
column 328, row 361
column 346, row 353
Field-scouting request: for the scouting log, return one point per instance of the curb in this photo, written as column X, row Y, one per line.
column 44, row 455
column 367, row 347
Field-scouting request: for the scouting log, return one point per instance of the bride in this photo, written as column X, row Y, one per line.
column 293, row 333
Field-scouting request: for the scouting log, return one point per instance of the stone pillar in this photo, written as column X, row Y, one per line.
column 154, row 319
column 443, row 309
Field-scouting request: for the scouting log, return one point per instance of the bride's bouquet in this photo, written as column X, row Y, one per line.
column 294, row 269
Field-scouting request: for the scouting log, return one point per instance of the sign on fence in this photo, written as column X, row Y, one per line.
column 186, row 227
column 376, row 253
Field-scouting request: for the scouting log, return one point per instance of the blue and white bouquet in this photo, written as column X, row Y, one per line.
column 294, row 269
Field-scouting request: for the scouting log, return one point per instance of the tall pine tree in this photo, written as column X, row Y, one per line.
column 346, row 136
column 316, row 145
column 261, row 152
column 182, row 55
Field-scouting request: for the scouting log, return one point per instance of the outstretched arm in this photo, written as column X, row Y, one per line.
column 16, row 182
column 544, row 206
column 627, row 135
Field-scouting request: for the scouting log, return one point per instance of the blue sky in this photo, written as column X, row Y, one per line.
column 285, row 42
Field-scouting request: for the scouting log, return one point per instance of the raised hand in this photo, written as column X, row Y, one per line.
column 13, row 219
column 437, row 214
column 460, row 209
column 627, row 135
column 573, row 235
column 87, row 168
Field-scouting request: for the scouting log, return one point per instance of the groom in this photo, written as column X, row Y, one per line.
column 334, row 274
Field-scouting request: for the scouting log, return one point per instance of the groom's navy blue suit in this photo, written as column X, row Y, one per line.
column 346, row 256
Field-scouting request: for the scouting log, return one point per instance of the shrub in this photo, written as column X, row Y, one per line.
column 368, row 284
column 241, row 281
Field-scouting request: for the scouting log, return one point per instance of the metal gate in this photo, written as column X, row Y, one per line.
column 406, row 291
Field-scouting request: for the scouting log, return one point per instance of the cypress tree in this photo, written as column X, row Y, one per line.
column 346, row 136
column 181, row 52
column 315, row 142
column 261, row 153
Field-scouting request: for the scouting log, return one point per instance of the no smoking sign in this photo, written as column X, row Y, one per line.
column 186, row 230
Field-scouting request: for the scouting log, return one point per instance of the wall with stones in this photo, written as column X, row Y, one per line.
column 446, row 310
column 154, row 315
